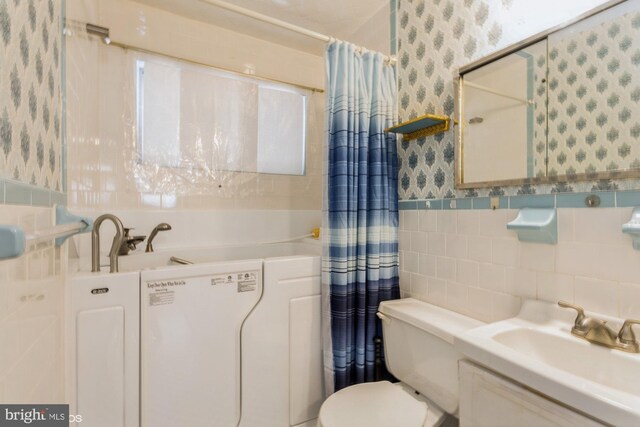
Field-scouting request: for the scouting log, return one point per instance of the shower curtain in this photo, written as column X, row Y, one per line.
column 360, row 212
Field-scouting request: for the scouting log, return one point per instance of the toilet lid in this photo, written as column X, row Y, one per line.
column 379, row 404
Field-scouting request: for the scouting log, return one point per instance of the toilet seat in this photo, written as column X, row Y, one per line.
column 379, row 404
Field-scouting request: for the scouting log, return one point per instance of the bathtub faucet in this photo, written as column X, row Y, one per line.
column 163, row 226
column 129, row 242
column 115, row 246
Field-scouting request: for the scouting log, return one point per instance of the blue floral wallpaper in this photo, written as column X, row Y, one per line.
column 30, row 92
column 435, row 38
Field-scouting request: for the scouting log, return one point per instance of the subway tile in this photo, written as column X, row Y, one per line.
column 554, row 287
column 505, row 306
column 622, row 263
column 598, row 226
column 411, row 262
column 428, row 265
column 493, row 223
column 437, row 291
column 467, row 272
column 479, row 303
column 410, row 221
column 419, row 285
column 447, row 221
column 436, row 243
column 537, row 256
column 492, row 277
column 566, row 225
column 504, row 252
column 405, row 281
column 584, row 259
column 468, row 223
column 445, row 268
column 457, row 297
column 456, row 246
column 479, row 248
column 600, row 296
column 419, row 242
column 520, row 282
column 428, row 220
column 404, row 240
column 630, row 300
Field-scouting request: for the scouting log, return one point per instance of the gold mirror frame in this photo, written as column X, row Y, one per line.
column 458, row 116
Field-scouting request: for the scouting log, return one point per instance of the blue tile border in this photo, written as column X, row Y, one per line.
column 18, row 193
column 407, row 205
column 529, row 201
column 627, row 199
column 608, row 199
column 481, row 203
column 450, row 204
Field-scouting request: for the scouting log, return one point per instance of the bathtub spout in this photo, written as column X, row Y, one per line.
column 180, row 261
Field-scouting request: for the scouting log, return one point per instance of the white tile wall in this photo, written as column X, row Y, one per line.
column 32, row 316
column 469, row 262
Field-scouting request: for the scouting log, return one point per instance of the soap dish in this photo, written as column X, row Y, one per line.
column 632, row 228
column 539, row 225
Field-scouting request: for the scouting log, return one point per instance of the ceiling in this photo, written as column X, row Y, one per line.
column 337, row 18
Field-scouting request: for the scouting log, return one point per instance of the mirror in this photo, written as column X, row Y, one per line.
column 562, row 106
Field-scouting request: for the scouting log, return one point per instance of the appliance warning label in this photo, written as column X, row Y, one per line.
column 247, row 281
column 162, row 292
column 224, row 279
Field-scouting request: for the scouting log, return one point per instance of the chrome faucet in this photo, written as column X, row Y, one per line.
column 115, row 246
column 129, row 242
column 163, row 226
column 596, row 331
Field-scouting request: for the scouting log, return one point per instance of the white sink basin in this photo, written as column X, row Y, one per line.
column 536, row 348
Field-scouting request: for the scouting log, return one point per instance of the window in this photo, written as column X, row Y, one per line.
column 196, row 117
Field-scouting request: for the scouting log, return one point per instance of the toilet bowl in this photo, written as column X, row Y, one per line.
column 418, row 339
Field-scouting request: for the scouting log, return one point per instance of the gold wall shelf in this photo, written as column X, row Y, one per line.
column 423, row 126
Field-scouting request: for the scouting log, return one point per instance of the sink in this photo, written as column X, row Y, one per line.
column 536, row 348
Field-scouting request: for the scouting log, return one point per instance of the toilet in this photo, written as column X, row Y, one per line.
column 418, row 344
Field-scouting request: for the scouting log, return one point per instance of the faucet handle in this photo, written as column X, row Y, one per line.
column 626, row 335
column 579, row 324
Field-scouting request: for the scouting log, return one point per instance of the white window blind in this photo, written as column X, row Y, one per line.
column 196, row 117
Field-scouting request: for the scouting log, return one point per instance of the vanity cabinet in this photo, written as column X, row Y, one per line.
column 488, row 399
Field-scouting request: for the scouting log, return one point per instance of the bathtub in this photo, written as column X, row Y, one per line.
column 213, row 348
column 141, row 260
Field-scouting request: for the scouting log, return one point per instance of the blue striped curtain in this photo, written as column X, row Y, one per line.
column 360, row 223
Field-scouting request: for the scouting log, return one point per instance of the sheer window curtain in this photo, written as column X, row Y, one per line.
column 360, row 212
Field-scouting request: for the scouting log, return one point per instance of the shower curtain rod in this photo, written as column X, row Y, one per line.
column 203, row 64
column 277, row 22
column 104, row 35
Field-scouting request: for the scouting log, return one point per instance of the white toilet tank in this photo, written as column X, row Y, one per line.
column 418, row 348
